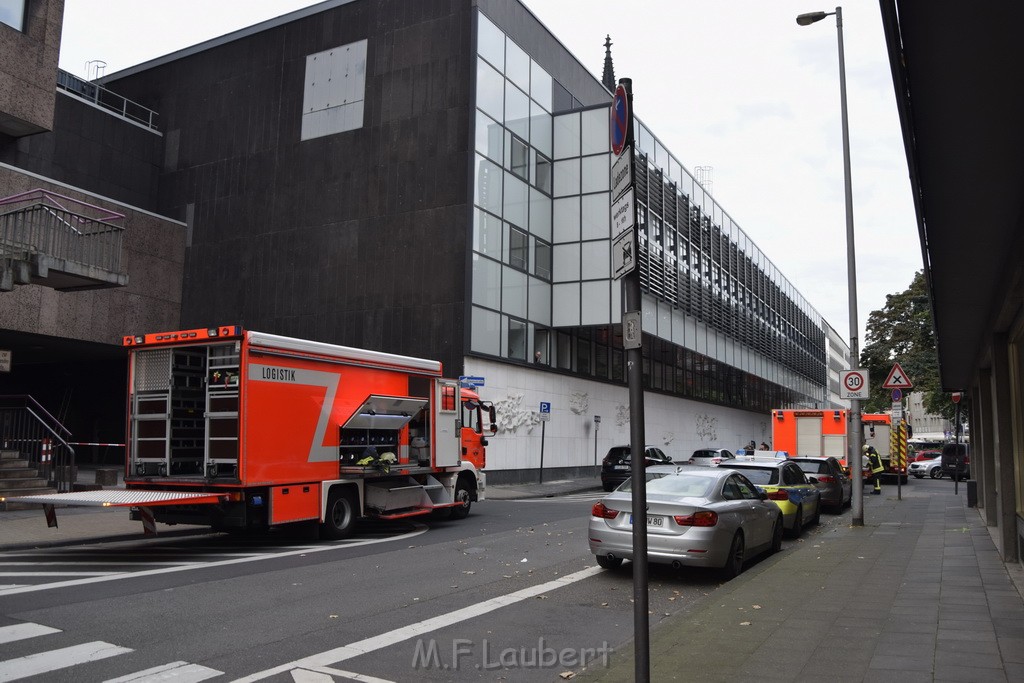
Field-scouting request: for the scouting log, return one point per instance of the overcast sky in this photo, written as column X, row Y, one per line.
column 735, row 85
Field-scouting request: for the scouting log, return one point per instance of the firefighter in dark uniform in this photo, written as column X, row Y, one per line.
column 874, row 461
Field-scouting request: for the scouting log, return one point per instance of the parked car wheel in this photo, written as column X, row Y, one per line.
column 605, row 562
column 734, row 563
column 777, row 530
column 798, row 524
column 817, row 514
column 935, row 473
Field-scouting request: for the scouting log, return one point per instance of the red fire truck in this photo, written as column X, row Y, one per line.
column 242, row 430
column 823, row 432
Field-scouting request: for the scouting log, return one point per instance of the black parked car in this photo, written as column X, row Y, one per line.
column 616, row 466
column 956, row 462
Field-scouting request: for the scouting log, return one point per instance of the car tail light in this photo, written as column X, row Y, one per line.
column 600, row 510
column 778, row 495
column 826, row 479
column 702, row 518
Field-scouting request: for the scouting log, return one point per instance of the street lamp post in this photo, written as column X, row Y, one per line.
column 855, row 435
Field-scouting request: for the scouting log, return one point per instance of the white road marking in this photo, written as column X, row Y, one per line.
column 420, row 529
column 362, row 647
column 9, row 634
column 324, row 674
column 44, row 662
column 59, row 573
column 90, row 563
column 180, row 672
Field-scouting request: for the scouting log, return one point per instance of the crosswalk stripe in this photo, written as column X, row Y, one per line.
column 44, row 662
column 179, row 672
column 9, row 634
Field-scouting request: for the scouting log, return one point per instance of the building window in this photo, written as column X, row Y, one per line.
column 12, row 13
column 520, row 158
column 518, row 251
column 542, row 259
column 516, row 339
column 543, row 179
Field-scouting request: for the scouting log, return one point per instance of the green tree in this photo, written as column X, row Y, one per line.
column 903, row 332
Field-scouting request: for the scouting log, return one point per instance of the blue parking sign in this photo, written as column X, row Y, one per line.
column 545, row 407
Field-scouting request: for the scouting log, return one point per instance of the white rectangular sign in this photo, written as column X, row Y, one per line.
column 622, row 175
column 623, row 256
column 897, row 411
column 5, row 360
column 854, row 384
column 623, row 213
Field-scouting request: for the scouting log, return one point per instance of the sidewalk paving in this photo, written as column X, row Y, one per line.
column 919, row 593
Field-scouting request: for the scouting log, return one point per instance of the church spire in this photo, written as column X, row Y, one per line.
column 609, row 71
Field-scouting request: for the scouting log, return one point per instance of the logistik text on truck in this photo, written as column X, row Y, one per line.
column 241, row 430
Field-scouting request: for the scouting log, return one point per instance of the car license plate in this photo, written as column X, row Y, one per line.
column 622, row 467
column 651, row 521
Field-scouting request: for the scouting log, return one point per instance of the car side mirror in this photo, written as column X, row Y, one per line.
column 763, row 495
column 813, row 480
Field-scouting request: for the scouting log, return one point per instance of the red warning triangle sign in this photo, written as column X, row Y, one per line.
column 897, row 379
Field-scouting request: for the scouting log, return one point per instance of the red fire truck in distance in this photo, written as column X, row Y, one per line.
column 822, row 432
column 244, row 430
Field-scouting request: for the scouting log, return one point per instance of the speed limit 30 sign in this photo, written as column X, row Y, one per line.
column 854, row 384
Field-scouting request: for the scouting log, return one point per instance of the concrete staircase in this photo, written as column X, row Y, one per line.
column 18, row 479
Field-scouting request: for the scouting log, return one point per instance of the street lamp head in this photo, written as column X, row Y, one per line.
column 811, row 17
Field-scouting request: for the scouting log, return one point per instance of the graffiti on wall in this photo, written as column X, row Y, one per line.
column 707, row 427
column 579, row 402
column 622, row 415
column 511, row 414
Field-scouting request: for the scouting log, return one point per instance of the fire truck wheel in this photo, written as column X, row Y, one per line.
column 340, row 520
column 462, row 495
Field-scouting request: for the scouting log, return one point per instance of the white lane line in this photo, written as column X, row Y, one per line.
column 179, row 672
column 59, row 573
column 362, row 647
column 420, row 529
column 9, row 634
column 5, row 586
column 44, row 662
column 323, row 674
column 95, row 564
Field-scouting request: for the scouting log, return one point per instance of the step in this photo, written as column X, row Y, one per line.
column 13, row 463
column 8, row 454
column 14, row 505
column 19, row 484
column 20, row 473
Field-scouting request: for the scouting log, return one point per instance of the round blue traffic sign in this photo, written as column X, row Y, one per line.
column 897, row 395
column 620, row 120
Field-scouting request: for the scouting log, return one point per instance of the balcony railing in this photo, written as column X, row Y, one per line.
column 80, row 243
column 111, row 101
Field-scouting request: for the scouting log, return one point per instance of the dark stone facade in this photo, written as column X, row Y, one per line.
column 358, row 238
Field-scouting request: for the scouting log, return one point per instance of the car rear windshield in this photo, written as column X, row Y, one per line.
column 706, row 454
column 676, row 485
column 618, row 454
column 761, row 475
column 813, row 467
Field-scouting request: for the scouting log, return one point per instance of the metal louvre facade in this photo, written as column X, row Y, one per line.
column 690, row 262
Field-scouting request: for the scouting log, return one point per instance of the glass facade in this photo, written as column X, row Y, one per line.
column 722, row 324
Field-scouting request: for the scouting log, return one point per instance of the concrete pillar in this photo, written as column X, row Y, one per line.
column 1002, row 449
column 982, row 457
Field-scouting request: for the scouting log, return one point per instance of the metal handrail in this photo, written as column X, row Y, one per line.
column 39, row 437
column 107, row 99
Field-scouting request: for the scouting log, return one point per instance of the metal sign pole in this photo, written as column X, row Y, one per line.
column 631, row 296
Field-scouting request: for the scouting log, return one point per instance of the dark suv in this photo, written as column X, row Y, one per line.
column 616, row 466
column 956, row 461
